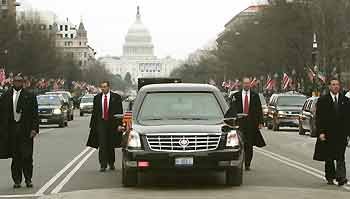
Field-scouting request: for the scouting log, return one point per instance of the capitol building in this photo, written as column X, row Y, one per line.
column 138, row 57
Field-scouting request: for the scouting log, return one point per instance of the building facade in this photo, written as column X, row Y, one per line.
column 138, row 57
column 8, row 8
column 248, row 15
column 73, row 41
column 70, row 39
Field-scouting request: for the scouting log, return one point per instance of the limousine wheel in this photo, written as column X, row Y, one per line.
column 234, row 176
column 61, row 124
column 312, row 129
column 269, row 125
column 129, row 178
column 275, row 126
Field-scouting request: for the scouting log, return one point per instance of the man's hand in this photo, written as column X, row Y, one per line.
column 323, row 137
column 33, row 134
column 121, row 128
column 261, row 126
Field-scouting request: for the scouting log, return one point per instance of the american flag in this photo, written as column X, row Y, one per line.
column 321, row 77
column 212, row 82
column 226, row 85
column 311, row 74
column 237, row 84
column 253, row 83
column 2, row 76
column 270, row 83
column 286, row 81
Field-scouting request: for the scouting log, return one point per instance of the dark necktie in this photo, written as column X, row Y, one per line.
column 105, row 108
column 246, row 104
column 336, row 104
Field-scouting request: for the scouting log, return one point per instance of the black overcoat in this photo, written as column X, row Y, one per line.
column 28, row 107
column 115, row 108
column 334, row 126
column 250, row 125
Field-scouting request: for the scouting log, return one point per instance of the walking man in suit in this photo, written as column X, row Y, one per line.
column 332, row 119
column 20, row 113
column 105, row 128
column 248, row 102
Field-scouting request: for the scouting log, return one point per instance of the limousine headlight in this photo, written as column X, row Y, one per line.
column 134, row 140
column 232, row 139
column 57, row 111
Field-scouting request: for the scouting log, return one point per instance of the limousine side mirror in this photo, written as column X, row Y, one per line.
column 118, row 116
column 231, row 122
column 227, row 128
column 242, row 115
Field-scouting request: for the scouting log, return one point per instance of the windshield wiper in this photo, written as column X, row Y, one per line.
column 187, row 118
column 153, row 119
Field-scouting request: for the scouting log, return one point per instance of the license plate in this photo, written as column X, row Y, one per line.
column 188, row 161
column 44, row 120
column 292, row 121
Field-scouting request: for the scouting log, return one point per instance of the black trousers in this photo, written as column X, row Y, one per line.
column 106, row 148
column 335, row 171
column 247, row 133
column 22, row 160
column 248, row 154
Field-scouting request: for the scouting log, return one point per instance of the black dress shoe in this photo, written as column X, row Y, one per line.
column 17, row 186
column 29, row 184
column 103, row 170
column 342, row 182
column 330, row 182
column 112, row 168
column 247, row 168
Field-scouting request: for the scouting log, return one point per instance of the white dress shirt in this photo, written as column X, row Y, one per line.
column 17, row 116
column 243, row 97
column 333, row 96
column 103, row 101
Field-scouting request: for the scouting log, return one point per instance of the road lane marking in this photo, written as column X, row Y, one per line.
column 71, row 174
column 293, row 161
column 297, row 165
column 60, row 173
column 43, row 131
column 19, row 196
column 292, row 165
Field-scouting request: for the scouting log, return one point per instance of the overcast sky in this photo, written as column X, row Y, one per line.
column 178, row 27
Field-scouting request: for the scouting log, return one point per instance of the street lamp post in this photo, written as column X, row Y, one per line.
column 277, row 82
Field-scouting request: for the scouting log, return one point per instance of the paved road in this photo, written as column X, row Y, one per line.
column 65, row 168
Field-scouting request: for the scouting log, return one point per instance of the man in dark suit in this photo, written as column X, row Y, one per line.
column 5, row 152
column 332, row 113
column 248, row 102
column 105, row 128
column 20, row 111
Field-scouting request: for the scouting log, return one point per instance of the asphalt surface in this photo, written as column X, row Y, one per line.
column 65, row 168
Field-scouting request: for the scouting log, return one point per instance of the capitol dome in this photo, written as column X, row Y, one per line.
column 138, row 41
